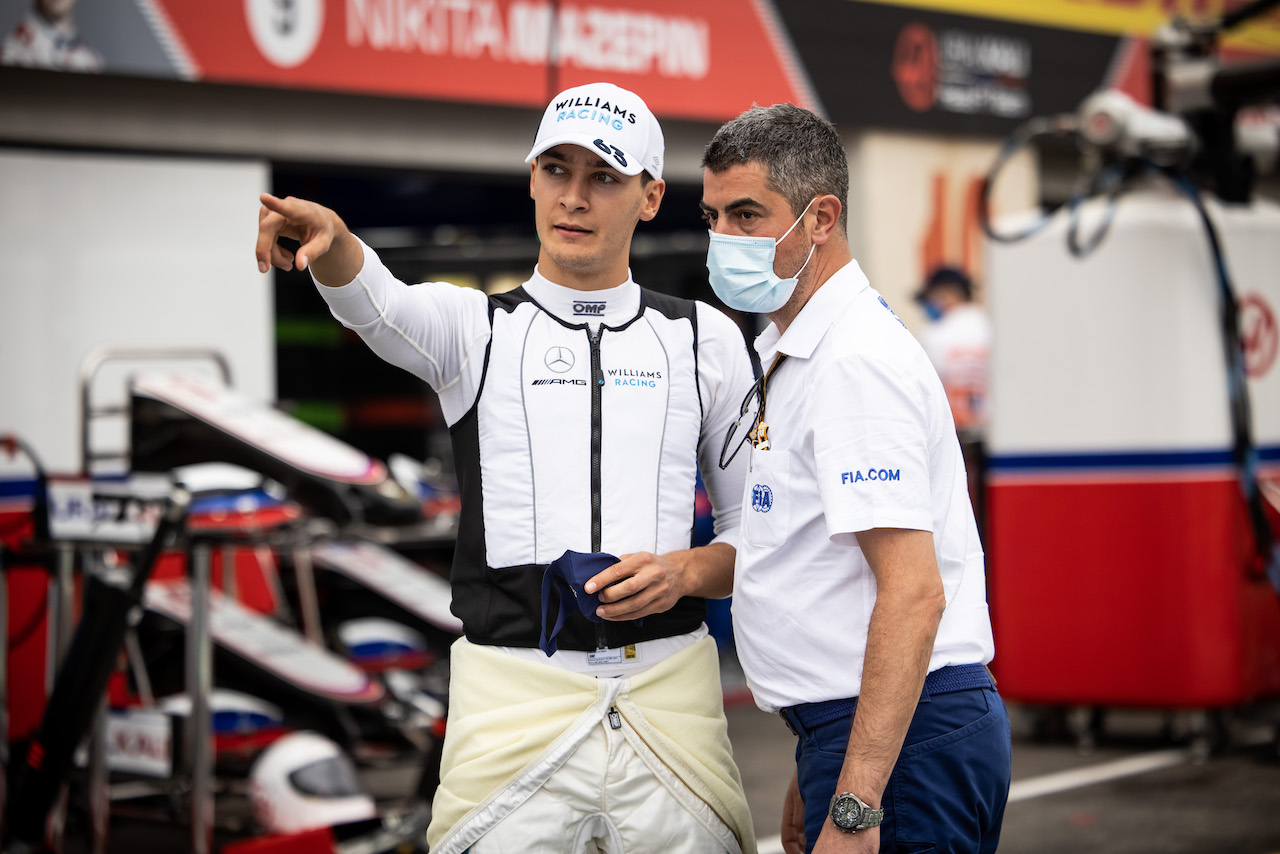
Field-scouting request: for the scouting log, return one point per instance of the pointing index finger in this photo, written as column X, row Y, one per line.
column 273, row 203
column 270, row 223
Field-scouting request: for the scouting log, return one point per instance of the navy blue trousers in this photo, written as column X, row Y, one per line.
column 948, row 789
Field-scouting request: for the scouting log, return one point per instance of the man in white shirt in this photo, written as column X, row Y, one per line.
column 958, row 343
column 579, row 407
column 859, row 600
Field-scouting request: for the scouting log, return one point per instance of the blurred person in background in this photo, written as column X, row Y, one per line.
column 958, row 343
column 47, row 38
column 859, row 601
column 579, row 406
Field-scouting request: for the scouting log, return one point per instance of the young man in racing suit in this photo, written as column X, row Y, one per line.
column 579, row 406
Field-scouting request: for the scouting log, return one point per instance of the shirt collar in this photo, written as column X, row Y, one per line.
column 611, row 306
column 826, row 305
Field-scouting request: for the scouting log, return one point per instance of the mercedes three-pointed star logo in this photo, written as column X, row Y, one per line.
column 559, row 359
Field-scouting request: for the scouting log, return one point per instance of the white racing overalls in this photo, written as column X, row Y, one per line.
column 578, row 420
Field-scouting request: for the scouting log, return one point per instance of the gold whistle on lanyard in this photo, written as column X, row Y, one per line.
column 759, row 436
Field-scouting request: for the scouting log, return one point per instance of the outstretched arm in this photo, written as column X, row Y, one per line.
column 326, row 245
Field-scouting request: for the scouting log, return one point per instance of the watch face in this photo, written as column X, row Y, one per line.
column 846, row 812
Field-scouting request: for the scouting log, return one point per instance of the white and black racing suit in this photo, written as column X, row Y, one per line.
column 578, row 420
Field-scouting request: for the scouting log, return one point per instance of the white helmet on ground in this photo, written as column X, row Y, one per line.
column 304, row 781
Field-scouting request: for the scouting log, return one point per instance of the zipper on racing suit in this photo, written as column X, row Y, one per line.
column 640, row 734
column 597, row 417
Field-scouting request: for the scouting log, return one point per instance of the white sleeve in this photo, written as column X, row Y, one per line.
column 724, row 378
column 871, row 447
column 436, row 331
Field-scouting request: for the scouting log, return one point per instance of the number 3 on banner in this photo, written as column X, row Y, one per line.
column 617, row 153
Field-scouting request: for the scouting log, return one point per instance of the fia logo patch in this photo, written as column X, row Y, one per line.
column 761, row 498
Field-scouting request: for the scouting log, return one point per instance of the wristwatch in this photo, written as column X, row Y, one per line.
column 850, row 814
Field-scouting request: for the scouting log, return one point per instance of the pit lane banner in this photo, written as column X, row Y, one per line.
column 704, row 61
column 897, row 66
column 1116, row 17
column 962, row 66
column 982, row 67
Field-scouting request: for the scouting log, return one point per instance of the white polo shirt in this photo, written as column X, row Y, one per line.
column 861, row 437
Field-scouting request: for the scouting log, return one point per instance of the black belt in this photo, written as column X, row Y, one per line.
column 958, row 677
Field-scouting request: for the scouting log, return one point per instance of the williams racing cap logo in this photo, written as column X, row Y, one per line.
column 595, row 110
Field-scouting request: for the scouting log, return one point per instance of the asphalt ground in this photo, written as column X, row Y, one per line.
column 1135, row 782
column 1116, row 782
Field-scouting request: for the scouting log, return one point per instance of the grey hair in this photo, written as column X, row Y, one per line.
column 802, row 153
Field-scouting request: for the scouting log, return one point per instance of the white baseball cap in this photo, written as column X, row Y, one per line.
column 606, row 118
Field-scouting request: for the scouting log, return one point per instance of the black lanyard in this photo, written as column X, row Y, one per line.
column 758, row 434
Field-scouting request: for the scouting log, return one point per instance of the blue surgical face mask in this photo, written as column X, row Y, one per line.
column 932, row 310
column 741, row 270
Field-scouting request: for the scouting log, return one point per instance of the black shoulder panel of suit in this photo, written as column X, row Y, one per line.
column 669, row 306
column 508, row 301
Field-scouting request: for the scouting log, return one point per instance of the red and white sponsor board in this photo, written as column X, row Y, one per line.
column 708, row 60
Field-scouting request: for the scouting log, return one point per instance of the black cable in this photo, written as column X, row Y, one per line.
column 1244, row 451
column 1021, row 137
column 1114, row 180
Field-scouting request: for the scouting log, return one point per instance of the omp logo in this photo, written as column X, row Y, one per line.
column 285, row 31
column 559, row 359
column 761, row 498
column 870, row 474
column 582, row 307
